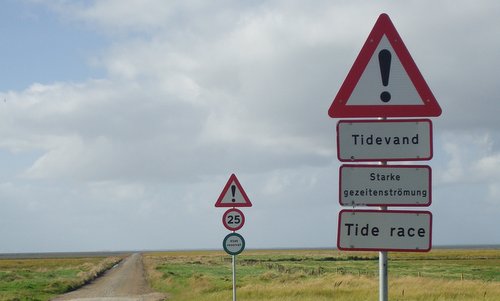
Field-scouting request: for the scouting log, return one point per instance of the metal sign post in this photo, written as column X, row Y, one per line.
column 234, row 277
column 383, row 274
column 383, row 278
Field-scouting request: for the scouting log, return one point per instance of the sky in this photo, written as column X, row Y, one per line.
column 120, row 123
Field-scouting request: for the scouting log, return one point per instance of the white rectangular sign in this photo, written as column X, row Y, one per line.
column 384, row 230
column 385, row 185
column 384, row 140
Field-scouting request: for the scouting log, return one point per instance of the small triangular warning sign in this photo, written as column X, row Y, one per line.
column 384, row 81
column 233, row 195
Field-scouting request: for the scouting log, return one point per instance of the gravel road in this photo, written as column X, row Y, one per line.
column 125, row 282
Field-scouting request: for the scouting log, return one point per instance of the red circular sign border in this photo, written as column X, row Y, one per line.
column 242, row 219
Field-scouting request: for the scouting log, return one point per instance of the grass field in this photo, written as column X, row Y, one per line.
column 326, row 275
column 41, row 279
column 275, row 275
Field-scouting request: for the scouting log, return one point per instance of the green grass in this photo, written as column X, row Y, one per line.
column 275, row 275
column 464, row 275
column 42, row 279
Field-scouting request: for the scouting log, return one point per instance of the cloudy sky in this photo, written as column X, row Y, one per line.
column 121, row 121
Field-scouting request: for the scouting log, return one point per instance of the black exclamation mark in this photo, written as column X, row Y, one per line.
column 384, row 60
column 233, row 191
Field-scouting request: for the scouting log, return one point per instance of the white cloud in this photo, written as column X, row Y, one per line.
column 72, row 157
column 195, row 91
column 471, row 158
column 133, row 15
column 174, row 104
column 117, row 191
column 494, row 195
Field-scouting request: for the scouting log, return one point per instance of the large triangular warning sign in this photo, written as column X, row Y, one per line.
column 384, row 81
column 233, row 195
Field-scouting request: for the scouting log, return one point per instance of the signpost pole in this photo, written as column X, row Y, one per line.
column 234, row 277
column 382, row 263
column 383, row 279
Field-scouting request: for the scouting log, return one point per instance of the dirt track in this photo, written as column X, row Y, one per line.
column 125, row 282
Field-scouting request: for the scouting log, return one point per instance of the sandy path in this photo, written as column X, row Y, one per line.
column 125, row 282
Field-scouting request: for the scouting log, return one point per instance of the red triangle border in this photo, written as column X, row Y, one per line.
column 232, row 179
column 339, row 107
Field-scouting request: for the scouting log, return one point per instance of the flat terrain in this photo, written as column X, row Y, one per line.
column 271, row 275
column 321, row 275
column 39, row 277
column 124, row 282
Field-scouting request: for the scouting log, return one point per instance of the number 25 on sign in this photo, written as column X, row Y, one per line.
column 233, row 219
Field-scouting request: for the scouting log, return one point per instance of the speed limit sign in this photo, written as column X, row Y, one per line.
column 233, row 219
